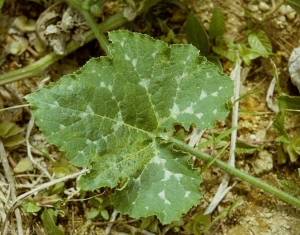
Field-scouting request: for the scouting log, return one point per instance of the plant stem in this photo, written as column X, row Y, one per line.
column 211, row 161
column 233, row 171
column 91, row 22
column 98, row 34
column 38, row 67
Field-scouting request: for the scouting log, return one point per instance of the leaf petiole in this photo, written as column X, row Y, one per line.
column 208, row 164
column 238, row 173
column 91, row 22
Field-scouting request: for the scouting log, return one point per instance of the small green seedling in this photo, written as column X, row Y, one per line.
column 200, row 223
column 197, row 35
column 30, row 206
column 10, row 133
column 150, row 224
column 99, row 205
column 258, row 44
column 290, row 187
column 289, row 146
column 49, row 218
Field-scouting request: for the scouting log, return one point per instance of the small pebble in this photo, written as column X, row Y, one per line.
column 281, row 21
column 291, row 15
column 264, row 6
column 263, row 163
column 288, row 11
column 291, row 10
column 285, row 9
column 253, row 7
column 281, row 18
column 252, row 137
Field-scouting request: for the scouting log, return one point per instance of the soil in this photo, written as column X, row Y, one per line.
column 259, row 213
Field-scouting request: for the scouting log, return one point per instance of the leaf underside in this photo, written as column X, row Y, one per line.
column 107, row 116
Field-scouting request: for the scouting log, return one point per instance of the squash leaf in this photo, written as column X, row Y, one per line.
column 107, row 117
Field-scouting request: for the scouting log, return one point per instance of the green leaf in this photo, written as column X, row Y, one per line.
column 30, row 206
column 260, row 43
column 57, row 188
column 215, row 60
column 161, row 188
column 224, row 134
column 289, row 103
column 49, row 219
column 244, row 148
column 93, row 213
column 225, row 48
column 50, row 200
column 63, row 167
column 196, row 34
column 24, row 165
column 296, row 144
column 108, row 116
column 289, row 187
column 198, row 224
column 292, row 153
column 13, row 141
column 278, row 125
column 247, row 54
column 104, row 213
column 293, row 148
column 96, row 202
column 217, row 24
column 295, row 4
column 1, row 3
column 8, row 129
column 282, row 156
column 149, row 223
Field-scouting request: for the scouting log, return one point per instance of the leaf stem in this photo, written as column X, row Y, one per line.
column 91, row 22
column 38, row 67
column 240, row 174
column 98, row 33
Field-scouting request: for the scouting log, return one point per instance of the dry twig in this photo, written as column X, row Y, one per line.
column 224, row 188
column 10, row 180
